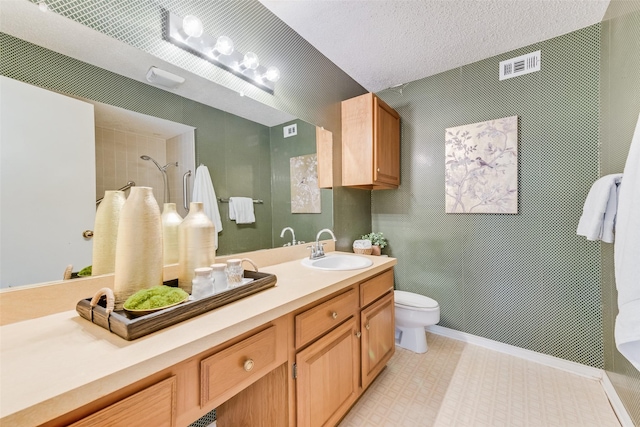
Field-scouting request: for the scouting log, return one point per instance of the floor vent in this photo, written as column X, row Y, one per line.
column 520, row 65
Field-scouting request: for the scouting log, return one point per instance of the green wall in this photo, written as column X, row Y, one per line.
column 620, row 106
column 306, row 226
column 237, row 153
column 525, row 279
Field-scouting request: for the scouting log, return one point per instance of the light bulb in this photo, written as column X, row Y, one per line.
column 272, row 74
column 43, row 6
column 224, row 45
column 250, row 61
column 192, row 26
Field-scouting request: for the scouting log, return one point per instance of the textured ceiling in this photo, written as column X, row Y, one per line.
column 383, row 43
column 379, row 43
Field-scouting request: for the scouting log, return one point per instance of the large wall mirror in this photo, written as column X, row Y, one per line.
column 246, row 156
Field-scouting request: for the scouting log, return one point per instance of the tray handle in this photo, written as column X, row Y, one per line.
column 111, row 300
column 250, row 262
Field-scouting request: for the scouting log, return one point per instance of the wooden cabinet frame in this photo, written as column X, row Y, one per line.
column 370, row 143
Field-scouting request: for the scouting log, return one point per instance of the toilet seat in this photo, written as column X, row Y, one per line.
column 414, row 301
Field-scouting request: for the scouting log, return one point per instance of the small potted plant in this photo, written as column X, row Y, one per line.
column 378, row 242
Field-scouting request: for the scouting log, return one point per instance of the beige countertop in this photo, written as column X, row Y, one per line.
column 51, row 365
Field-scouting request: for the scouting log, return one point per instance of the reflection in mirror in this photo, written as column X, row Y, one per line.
column 244, row 159
column 246, row 152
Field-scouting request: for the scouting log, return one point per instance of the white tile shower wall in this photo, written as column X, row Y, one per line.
column 181, row 148
column 118, row 161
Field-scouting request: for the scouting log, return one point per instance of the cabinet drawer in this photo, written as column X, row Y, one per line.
column 322, row 318
column 235, row 368
column 153, row 406
column 374, row 288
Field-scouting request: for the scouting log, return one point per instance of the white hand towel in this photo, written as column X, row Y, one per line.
column 600, row 207
column 203, row 192
column 627, row 256
column 241, row 210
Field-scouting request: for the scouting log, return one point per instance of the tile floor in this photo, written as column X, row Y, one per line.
column 460, row 384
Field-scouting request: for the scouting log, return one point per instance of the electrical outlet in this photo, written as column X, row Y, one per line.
column 291, row 130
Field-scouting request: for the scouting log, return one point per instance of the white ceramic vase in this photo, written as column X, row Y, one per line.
column 105, row 233
column 196, row 243
column 139, row 246
column 171, row 219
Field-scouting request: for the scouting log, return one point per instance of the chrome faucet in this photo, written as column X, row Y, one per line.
column 293, row 236
column 317, row 251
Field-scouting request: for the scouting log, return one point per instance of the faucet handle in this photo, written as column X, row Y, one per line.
column 313, row 248
column 320, row 249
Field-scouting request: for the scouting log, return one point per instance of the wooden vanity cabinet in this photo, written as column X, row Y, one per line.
column 153, row 406
column 342, row 344
column 327, row 376
column 378, row 337
column 377, row 323
column 370, row 143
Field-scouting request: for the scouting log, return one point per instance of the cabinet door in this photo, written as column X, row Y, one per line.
column 386, row 169
column 324, row 150
column 378, row 337
column 327, row 382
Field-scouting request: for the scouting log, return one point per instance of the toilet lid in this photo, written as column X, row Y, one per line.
column 410, row 299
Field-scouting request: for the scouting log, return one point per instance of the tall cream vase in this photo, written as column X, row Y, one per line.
column 196, row 242
column 171, row 219
column 105, row 233
column 139, row 246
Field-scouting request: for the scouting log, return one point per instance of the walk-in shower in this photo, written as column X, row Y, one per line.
column 163, row 170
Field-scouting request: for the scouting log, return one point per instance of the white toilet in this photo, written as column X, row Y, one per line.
column 413, row 313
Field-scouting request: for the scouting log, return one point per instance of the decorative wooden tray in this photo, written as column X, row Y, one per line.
column 130, row 328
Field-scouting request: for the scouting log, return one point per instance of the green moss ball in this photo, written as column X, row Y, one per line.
column 156, row 297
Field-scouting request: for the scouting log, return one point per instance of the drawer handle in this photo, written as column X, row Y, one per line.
column 358, row 334
column 248, row 365
column 334, row 315
column 366, row 326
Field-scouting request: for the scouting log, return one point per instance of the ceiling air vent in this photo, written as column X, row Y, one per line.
column 520, row 65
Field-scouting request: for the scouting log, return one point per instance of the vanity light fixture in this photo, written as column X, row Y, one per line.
column 250, row 61
column 224, row 46
column 192, row 26
column 188, row 34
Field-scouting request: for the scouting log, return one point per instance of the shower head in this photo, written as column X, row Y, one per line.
column 145, row 157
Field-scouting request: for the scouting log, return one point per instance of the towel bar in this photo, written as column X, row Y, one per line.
column 257, row 202
column 125, row 188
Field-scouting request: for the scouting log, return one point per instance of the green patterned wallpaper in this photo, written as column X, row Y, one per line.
column 525, row 279
column 306, row 225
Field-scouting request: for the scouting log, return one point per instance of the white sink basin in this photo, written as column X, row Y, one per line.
column 338, row 262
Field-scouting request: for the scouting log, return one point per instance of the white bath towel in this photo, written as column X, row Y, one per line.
column 627, row 256
column 203, row 192
column 241, row 210
column 600, row 207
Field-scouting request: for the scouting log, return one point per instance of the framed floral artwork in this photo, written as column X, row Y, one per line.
column 305, row 193
column 481, row 167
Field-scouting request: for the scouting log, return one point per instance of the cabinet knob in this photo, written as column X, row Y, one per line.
column 378, row 169
column 358, row 334
column 366, row 326
column 248, row 365
column 334, row 315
